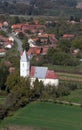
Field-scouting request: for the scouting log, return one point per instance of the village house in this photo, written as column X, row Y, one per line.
column 16, row 26
column 11, row 39
column 2, row 52
column 5, row 24
column 41, row 50
column 33, row 28
column 68, row 36
column 47, row 38
column 8, row 45
column 31, row 42
column 1, row 25
column 48, row 77
column 6, row 42
column 45, row 41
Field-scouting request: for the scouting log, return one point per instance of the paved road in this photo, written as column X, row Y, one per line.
column 19, row 42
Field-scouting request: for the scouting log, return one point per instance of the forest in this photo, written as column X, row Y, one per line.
column 39, row 7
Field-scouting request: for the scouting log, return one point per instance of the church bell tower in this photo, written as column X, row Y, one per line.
column 24, row 65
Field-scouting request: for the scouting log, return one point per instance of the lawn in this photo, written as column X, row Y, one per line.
column 47, row 115
column 75, row 96
column 2, row 99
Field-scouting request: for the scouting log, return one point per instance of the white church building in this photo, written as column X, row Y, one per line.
column 42, row 73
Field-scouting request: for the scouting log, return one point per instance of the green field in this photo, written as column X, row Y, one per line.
column 2, row 99
column 47, row 115
column 75, row 96
column 69, row 69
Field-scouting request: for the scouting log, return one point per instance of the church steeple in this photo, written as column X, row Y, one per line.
column 24, row 65
column 24, row 57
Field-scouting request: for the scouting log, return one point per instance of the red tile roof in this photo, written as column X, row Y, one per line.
column 68, row 36
column 43, row 36
column 14, row 26
column 51, row 75
column 41, row 30
column 47, row 35
column 34, row 51
column 37, row 50
column 2, row 50
column 1, row 25
column 4, row 39
column 27, row 26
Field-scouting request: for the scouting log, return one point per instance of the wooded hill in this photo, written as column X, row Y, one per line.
column 38, row 7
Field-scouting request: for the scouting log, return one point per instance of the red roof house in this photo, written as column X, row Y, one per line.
column 68, row 36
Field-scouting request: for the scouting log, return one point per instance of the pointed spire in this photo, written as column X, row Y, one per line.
column 24, row 57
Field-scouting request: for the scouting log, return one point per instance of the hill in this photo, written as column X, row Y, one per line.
column 42, row 6
column 38, row 7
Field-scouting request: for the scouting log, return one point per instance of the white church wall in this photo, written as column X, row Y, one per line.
column 52, row 82
column 24, row 69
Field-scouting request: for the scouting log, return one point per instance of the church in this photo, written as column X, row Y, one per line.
column 42, row 73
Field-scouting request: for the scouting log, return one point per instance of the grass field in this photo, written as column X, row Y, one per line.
column 70, row 77
column 2, row 99
column 75, row 96
column 47, row 115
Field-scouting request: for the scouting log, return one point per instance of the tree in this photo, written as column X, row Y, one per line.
column 14, row 2
column 2, row 17
column 65, row 45
column 13, row 58
column 5, row 3
column 3, row 33
column 21, row 35
column 42, row 20
column 3, row 76
column 37, row 89
column 3, row 111
column 25, row 44
column 62, row 91
column 12, row 80
column 19, row 91
column 77, row 43
column 71, row 18
column 62, row 58
column 31, row 20
column 15, row 20
column 50, row 54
